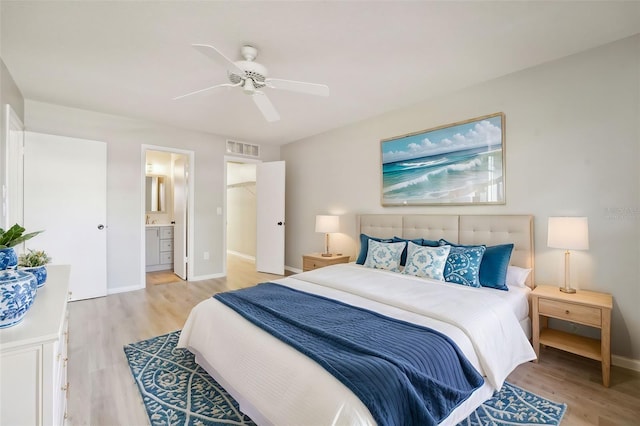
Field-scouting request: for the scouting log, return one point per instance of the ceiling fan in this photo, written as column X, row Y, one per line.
column 251, row 76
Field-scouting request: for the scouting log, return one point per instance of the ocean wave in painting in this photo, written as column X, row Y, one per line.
column 472, row 175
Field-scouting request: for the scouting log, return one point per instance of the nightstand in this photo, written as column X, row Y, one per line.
column 583, row 307
column 316, row 260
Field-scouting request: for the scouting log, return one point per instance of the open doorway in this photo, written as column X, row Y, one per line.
column 241, row 216
column 254, row 200
column 166, row 215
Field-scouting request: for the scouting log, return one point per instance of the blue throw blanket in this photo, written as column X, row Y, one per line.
column 404, row 373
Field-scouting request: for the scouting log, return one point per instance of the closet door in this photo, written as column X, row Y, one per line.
column 65, row 194
column 270, row 190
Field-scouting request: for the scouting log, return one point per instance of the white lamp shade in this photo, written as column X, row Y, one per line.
column 569, row 233
column 327, row 223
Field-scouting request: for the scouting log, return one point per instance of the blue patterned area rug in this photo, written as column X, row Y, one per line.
column 177, row 391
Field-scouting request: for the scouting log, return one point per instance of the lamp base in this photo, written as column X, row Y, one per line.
column 567, row 290
column 326, row 255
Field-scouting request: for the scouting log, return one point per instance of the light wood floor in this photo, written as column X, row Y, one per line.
column 161, row 277
column 102, row 390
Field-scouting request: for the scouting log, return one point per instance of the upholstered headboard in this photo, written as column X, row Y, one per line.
column 462, row 229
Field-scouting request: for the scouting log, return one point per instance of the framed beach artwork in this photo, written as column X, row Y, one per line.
column 456, row 164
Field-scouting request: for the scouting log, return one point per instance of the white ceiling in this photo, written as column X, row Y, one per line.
column 131, row 58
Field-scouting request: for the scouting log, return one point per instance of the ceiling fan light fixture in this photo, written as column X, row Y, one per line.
column 248, row 86
column 252, row 77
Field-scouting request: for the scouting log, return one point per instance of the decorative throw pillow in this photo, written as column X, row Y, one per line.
column 463, row 265
column 430, row 243
column 493, row 268
column 426, row 261
column 384, row 255
column 403, row 258
column 364, row 246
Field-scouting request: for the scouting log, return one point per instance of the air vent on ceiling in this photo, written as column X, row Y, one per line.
column 241, row 148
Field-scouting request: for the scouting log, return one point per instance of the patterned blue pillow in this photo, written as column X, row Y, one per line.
column 493, row 268
column 364, row 246
column 403, row 258
column 426, row 261
column 463, row 265
column 384, row 255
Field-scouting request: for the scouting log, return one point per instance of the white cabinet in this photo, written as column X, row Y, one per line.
column 33, row 377
column 159, row 248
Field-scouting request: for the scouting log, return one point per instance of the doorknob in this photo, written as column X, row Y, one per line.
column 101, row 227
column 280, row 223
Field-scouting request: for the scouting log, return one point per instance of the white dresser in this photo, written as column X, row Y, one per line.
column 33, row 368
column 159, row 248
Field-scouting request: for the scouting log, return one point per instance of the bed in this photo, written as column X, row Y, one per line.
column 277, row 384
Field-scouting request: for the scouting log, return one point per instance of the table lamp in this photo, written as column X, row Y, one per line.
column 568, row 233
column 327, row 224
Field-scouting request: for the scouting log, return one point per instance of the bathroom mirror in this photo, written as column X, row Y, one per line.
column 155, row 193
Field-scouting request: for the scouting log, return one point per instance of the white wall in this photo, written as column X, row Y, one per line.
column 572, row 148
column 124, row 137
column 241, row 220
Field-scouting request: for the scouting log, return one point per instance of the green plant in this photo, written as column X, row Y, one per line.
column 33, row 258
column 14, row 236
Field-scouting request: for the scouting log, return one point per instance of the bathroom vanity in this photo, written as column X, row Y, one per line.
column 159, row 247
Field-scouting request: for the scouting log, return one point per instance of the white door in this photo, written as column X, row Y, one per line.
column 180, row 194
column 65, row 194
column 270, row 188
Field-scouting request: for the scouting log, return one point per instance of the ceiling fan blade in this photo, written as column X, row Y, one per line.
column 265, row 106
column 298, row 86
column 206, row 89
column 218, row 57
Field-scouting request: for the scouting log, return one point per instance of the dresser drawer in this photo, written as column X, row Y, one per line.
column 570, row 312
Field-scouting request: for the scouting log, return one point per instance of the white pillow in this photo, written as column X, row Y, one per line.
column 384, row 255
column 425, row 261
column 517, row 276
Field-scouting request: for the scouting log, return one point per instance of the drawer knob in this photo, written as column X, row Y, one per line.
column 567, row 312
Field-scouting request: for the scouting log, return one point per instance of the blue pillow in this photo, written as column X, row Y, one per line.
column 463, row 264
column 403, row 258
column 364, row 246
column 430, row 243
column 493, row 267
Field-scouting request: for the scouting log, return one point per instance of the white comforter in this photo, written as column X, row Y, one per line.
column 275, row 384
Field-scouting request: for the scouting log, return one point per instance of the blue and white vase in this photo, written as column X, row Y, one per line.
column 40, row 272
column 18, row 289
column 8, row 258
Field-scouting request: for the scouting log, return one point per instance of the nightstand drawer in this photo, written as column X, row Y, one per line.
column 315, row 261
column 311, row 264
column 571, row 312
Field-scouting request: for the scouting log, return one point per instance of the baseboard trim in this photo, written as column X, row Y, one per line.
column 292, row 269
column 624, row 362
column 206, row 277
column 242, row 255
column 124, row 289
